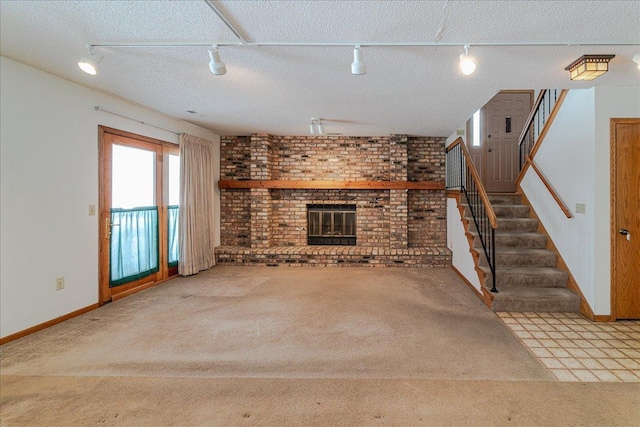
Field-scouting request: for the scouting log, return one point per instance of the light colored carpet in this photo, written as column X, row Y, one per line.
column 274, row 346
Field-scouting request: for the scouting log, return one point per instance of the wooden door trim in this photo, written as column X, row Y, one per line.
column 161, row 149
column 613, row 151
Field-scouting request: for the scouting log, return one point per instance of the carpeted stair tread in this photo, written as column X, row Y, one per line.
column 522, row 256
column 536, row 300
column 515, row 240
column 521, row 276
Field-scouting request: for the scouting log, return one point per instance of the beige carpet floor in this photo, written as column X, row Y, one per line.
column 295, row 346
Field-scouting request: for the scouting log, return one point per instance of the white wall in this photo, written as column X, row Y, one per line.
column 611, row 103
column 457, row 242
column 49, row 177
column 575, row 159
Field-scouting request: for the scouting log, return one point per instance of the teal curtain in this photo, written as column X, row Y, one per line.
column 174, row 250
column 134, row 244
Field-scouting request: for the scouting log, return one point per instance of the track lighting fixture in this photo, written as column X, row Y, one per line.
column 357, row 66
column 316, row 126
column 89, row 64
column 216, row 65
column 636, row 59
column 467, row 63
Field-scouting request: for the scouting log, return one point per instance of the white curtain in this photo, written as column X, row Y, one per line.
column 197, row 195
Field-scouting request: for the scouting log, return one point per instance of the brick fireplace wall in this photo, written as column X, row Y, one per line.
column 408, row 224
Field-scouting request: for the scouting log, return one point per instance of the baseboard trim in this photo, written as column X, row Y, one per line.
column 47, row 324
column 603, row 318
column 468, row 283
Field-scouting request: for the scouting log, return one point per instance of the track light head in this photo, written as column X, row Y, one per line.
column 216, row 65
column 316, row 126
column 467, row 63
column 357, row 66
column 89, row 64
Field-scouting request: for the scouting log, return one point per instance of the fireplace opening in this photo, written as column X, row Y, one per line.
column 331, row 225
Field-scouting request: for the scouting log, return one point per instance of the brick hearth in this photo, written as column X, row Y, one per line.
column 395, row 227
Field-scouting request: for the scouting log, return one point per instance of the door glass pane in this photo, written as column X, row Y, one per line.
column 476, row 129
column 338, row 223
column 174, row 179
column 326, row 223
column 133, row 177
column 134, row 216
column 350, row 224
column 314, row 223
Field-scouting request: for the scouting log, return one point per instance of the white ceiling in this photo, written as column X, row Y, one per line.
column 407, row 90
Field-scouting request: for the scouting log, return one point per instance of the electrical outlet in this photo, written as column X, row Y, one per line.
column 92, row 210
column 581, row 208
column 59, row 283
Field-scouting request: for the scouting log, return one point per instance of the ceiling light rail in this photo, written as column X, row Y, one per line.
column 161, row 44
column 358, row 67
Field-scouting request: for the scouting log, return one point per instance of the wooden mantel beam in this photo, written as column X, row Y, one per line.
column 334, row 185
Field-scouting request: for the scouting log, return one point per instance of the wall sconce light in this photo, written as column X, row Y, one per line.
column 588, row 67
column 316, row 126
column 636, row 59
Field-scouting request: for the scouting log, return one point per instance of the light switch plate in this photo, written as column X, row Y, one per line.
column 92, row 210
column 581, row 208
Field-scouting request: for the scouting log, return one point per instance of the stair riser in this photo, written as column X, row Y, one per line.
column 511, row 211
column 506, row 211
column 505, row 200
column 549, row 305
column 531, row 281
column 525, row 225
column 536, row 241
column 534, row 260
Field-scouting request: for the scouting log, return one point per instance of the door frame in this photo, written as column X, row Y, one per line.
column 613, row 150
column 161, row 148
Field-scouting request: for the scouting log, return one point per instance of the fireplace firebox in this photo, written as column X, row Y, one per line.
column 331, row 225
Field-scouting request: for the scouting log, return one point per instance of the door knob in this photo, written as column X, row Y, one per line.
column 489, row 150
column 625, row 232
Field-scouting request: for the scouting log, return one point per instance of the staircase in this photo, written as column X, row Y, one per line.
column 526, row 277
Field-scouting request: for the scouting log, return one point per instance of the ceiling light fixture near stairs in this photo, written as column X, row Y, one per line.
column 588, row 67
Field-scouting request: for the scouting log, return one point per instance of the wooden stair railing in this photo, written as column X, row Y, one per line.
column 537, row 124
column 551, row 190
column 533, row 133
column 461, row 173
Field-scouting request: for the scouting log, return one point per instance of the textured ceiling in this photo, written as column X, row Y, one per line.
column 407, row 90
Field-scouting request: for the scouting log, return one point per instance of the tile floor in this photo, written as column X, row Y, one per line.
column 576, row 349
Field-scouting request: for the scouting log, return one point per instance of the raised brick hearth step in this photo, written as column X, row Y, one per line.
column 333, row 256
column 526, row 275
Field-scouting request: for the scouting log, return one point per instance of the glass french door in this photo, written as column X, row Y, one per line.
column 139, row 191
